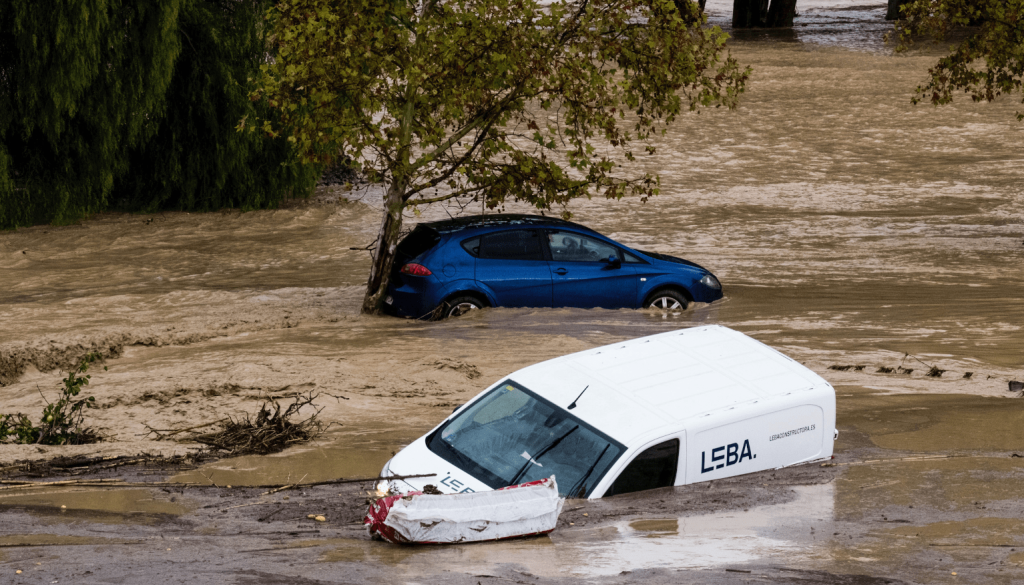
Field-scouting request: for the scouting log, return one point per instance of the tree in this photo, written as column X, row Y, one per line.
column 492, row 99
column 893, row 9
column 79, row 81
column 134, row 103
column 997, row 40
column 196, row 160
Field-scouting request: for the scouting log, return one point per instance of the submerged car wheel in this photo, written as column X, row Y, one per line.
column 459, row 306
column 667, row 301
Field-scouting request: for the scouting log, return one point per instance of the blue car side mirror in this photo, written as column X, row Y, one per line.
column 614, row 261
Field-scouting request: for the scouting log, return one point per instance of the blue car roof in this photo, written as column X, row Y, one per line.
column 459, row 224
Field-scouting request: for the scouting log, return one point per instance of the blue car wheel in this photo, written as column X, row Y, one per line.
column 667, row 300
column 459, row 306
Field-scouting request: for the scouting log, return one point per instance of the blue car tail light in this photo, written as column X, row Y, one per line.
column 416, row 269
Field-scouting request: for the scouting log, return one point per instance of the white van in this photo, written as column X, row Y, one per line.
column 670, row 409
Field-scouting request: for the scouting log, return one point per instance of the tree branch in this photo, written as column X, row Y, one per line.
column 455, row 165
column 453, row 195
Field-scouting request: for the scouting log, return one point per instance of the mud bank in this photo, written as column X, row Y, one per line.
column 945, row 503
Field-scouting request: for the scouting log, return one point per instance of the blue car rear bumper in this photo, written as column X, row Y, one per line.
column 414, row 296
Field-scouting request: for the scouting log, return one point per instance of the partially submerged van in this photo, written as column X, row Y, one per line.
column 671, row 409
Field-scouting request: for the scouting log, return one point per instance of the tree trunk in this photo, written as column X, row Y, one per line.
column 781, row 14
column 749, row 13
column 384, row 253
column 685, row 10
column 893, row 13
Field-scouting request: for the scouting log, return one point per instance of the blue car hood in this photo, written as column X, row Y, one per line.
column 667, row 258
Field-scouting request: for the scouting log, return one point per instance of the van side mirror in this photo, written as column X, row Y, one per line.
column 614, row 262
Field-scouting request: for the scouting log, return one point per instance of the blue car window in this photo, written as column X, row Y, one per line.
column 417, row 242
column 631, row 259
column 573, row 247
column 472, row 246
column 511, row 245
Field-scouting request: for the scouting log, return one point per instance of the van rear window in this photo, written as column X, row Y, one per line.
column 417, row 242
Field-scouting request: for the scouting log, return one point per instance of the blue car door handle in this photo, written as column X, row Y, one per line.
column 561, row 271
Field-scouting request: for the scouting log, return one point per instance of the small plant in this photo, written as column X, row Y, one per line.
column 61, row 423
column 17, row 426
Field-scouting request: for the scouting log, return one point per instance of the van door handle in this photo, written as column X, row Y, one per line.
column 561, row 271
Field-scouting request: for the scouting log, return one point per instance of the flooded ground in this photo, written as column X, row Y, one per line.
column 912, row 499
column 849, row 227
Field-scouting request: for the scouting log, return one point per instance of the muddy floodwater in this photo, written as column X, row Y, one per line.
column 851, row 230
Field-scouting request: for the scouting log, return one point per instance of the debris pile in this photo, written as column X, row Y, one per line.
column 270, row 431
column 839, row 368
column 932, row 371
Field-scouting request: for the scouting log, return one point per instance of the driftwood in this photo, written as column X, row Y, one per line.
column 13, row 485
column 162, row 434
column 86, row 464
column 284, row 487
column 120, row 483
column 34, row 544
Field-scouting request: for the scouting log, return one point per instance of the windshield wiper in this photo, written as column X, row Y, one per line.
column 537, row 457
column 580, row 484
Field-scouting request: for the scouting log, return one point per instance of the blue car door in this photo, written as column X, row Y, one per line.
column 583, row 276
column 512, row 264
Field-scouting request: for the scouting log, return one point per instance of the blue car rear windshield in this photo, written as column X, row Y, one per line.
column 417, row 242
column 513, row 436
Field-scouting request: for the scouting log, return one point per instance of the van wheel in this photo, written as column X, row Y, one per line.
column 459, row 306
column 668, row 301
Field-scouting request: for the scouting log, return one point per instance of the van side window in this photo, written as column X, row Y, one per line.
column 654, row 468
column 512, row 245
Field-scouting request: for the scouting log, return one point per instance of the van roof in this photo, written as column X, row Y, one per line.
column 638, row 385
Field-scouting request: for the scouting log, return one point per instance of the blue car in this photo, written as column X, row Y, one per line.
column 445, row 268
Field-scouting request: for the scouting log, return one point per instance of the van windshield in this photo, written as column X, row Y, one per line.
column 513, row 436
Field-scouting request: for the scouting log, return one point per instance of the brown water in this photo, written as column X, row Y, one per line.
column 848, row 226
column 106, row 506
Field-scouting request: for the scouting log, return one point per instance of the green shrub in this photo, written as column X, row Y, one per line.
column 61, row 423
